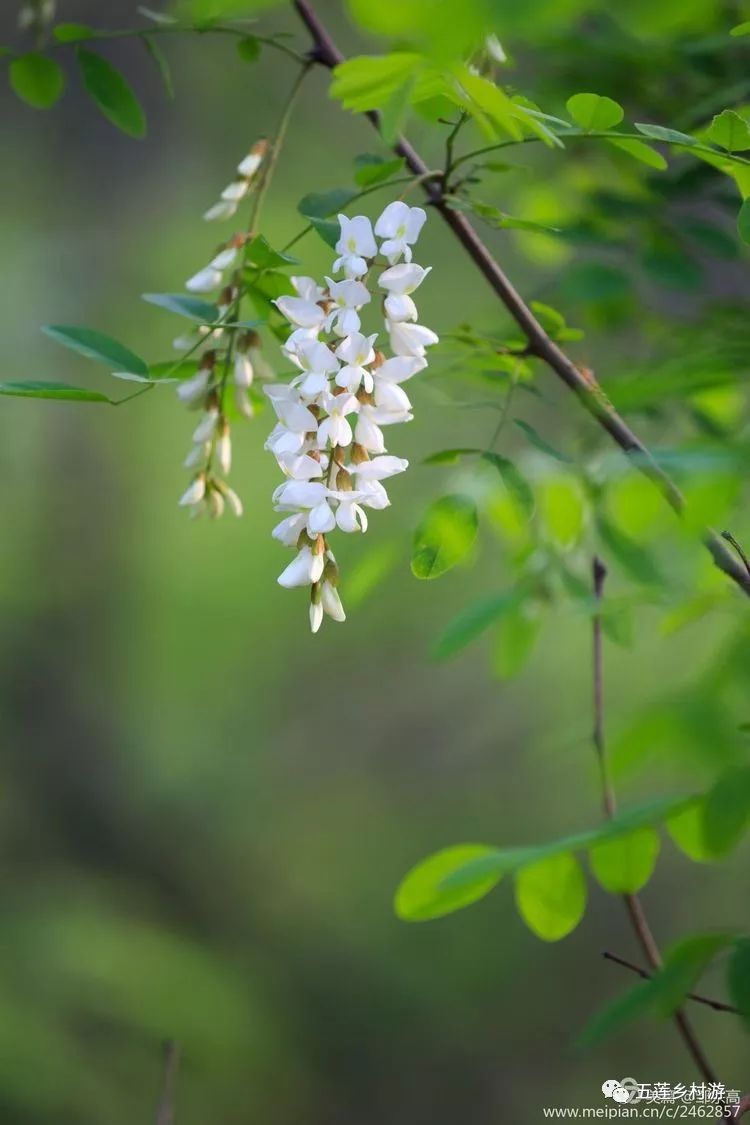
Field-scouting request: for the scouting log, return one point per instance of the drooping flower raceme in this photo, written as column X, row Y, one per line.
column 230, row 358
column 329, row 437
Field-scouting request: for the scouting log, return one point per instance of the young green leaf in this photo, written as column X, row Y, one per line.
column 743, row 222
column 444, row 537
column 191, row 307
column 33, row 388
column 595, row 113
column 36, row 79
column 320, row 205
column 671, row 136
column 726, row 811
column 328, row 229
column 263, row 255
column 449, row 456
column 551, row 896
column 111, row 92
column 729, row 131
column 98, row 346
column 624, row 865
column 369, row 81
column 687, row 829
column 741, row 29
column 516, row 638
column 72, row 32
column 640, row 151
column 371, row 170
column 421, row 895
column 629, row 553
column 738, row 976
column 161, row 61
column 538, row 441
column 514, row 481
column 472, row 622
column 248, row 48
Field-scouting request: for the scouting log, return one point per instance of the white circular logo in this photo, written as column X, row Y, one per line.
column 621, row 1090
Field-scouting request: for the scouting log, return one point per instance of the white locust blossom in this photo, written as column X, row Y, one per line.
column 329, row 438
column 234, row 193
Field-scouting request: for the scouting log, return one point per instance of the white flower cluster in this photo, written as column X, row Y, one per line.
column 329, row 438
column 230, row 359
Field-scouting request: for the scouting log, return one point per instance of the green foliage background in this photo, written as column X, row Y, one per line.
column 205, row 811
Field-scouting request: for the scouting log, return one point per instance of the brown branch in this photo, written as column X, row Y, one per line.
column 638, row 920
column 326, row 53
column 717, row 1005
column 165, row 1112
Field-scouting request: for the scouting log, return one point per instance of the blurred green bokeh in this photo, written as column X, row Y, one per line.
column 204, row 810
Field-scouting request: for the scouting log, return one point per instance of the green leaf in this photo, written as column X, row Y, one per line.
column 248, row 48
column 320, row 205
column 449, row 456
column 72, row 32
column 631, row 555
column 422, row 895
column 741, row 29
column 738, row 973
column 594, row 113
column 191, row 307
column 640, row 151
column 551, row 896
column 444, row 537
column 726, row 811
column 743, row 222
column 98, row 346
column 624, row 865
column 328, row 229
column 371, row 170
column 636, row 1002
column 730, row 131
column 670, row 136
column 686, row 827
column 664, row 992
column 369, row 81
column 111, row 92
column 36, row 79
column 538, row 441
column 472, row 622
column 161, row 61
column 514, row 480
column 34, row 388
column 516, row 638
column 261, row 254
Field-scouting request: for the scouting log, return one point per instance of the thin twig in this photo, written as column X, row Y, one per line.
column 165, row 1112
column 717, row 1005
column 588, row 392
column 639, row 922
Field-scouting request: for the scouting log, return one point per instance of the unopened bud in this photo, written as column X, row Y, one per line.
column 359, row 454
column 343, row 481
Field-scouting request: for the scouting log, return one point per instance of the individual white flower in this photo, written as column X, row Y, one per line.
column 305, row 569
column 205, row 280
column 242, row 403
column 243, row 370
column 225, row 258
column 300, row 466
column 350, row 516
column 194, row 493
column 410, row 339
column 336, row 427
column 308, row 289
column 348, row 297
column 391, row 398
column 224, row 209
column 250, row 165
column 399, row 225
column 317, row 362
column 292, row 495
column 204, row 431
column 374, row 495
column 215, row 503
column 494, row 49
column 232, row 499
column 367, row 431
column 331, row 602
column 236, row 191
column 355, row 245
column 302, row 313
column 379, row 468
column 198, row 455
column 223, row 450
column 356, row 351
column 316, row 615
column 191, row 390
column 290, row 529
column 400, row 281
column 289, row 408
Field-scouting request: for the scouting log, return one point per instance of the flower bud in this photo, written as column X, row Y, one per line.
column 195, row 492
